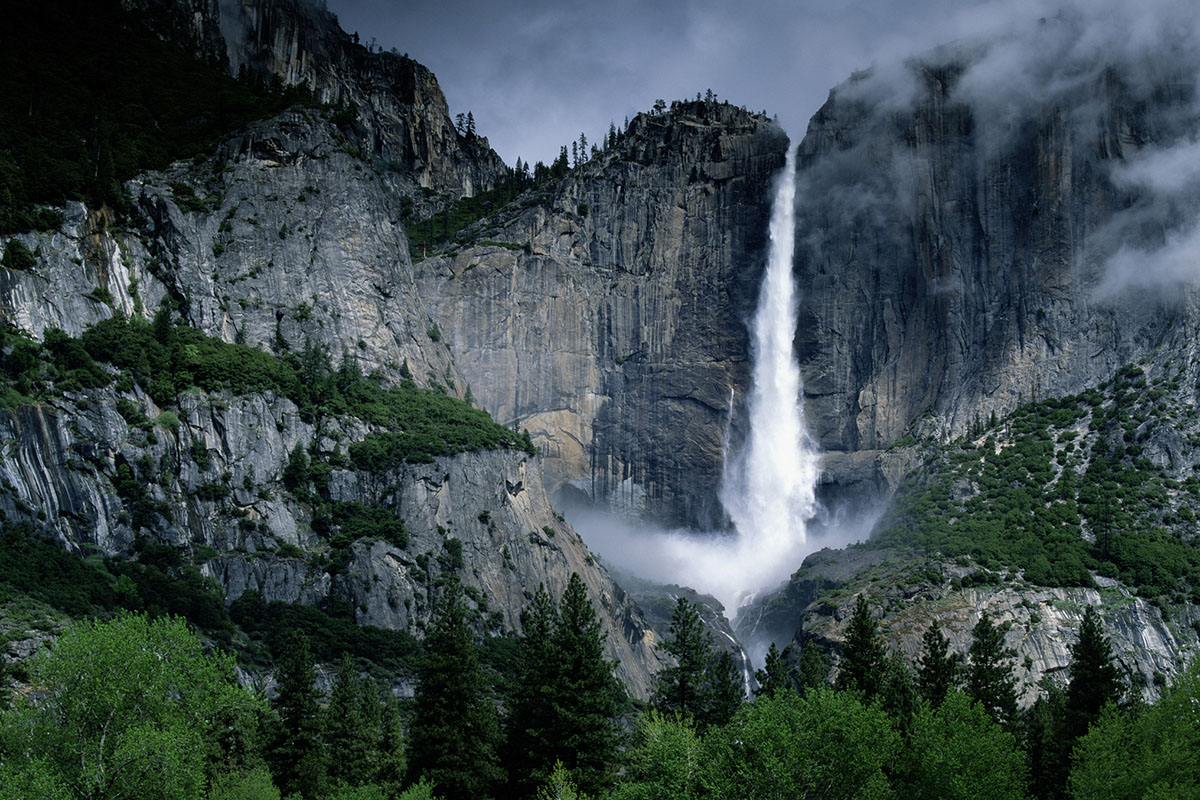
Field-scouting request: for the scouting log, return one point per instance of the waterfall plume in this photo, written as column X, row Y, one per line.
column 769, row 482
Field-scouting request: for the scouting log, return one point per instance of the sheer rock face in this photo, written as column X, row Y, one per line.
column 613, row 324
column 60, row 475
column 963, row 247
column 280, row 238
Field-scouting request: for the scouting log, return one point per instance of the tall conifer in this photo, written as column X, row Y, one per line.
column 724, row 690
column 530, row 725
column 679, row 688
column 1095, row 680
column 937, row 669
column 589, row 694
column 297, row 755
column 773, row 678
column 454, row 732
column 990, row 679
column 565, row 698
column 863, row 654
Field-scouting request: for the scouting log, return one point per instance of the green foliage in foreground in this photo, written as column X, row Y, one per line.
column 131, row 708
column 136, row 707
column 1025, row 495
column 826, row 744
column 1152, row 754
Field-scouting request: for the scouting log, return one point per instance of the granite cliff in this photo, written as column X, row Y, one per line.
column 963, row 246
column 976, row 229
column 986, row 234
column 606, row 312
column 287, row 237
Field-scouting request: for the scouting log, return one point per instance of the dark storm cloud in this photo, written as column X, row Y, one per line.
column 536, row 73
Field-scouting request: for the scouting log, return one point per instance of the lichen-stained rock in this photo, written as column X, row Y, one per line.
column 606, row 312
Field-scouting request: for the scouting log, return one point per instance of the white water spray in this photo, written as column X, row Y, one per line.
column 768, row 489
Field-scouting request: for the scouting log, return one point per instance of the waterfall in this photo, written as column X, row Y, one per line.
column 769, row 487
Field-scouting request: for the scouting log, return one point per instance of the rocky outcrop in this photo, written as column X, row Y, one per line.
column 968, row 238
column 62, row 474
column 287, row 238
column 909, row 593
column 192, row 25
column 606, row 313
column 284, row 236
column 400, row 114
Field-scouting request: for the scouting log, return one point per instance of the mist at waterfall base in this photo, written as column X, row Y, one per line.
column 769, row 485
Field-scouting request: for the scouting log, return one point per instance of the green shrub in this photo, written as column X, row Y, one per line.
column 167, row 420
column 17, row 256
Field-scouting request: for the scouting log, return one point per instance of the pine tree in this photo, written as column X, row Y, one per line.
column 470, row 125
column 724, row 690
column 589, row 694
column 370, row 711
column 863, row 655
column 392, row 763
column 347, row 732
column 898, row 692
column 773, row 678
column 990, row 679
column 813, row 669
column 297, row 756
column 938, row 667
column 679, row 688
column 565, row 698
column 1046, row 745
column 453, row 736
column 530, row 725
column 1095, row 680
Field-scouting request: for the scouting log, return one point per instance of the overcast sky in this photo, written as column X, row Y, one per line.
column 536, row 73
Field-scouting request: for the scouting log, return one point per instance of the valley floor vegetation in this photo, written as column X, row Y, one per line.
column 137, row 705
